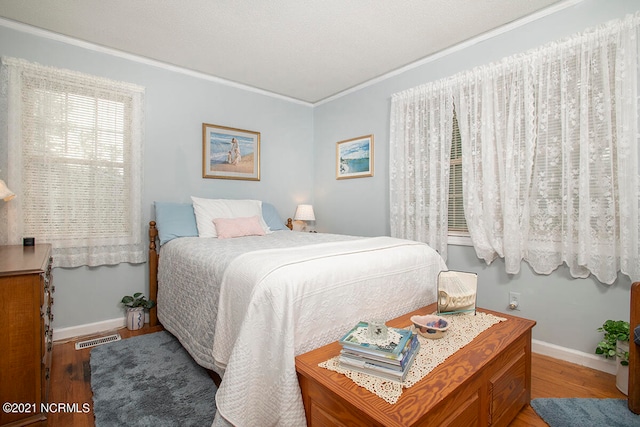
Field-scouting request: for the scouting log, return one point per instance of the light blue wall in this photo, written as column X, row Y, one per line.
column 176, row 106
column 298, row 165
column 568, row 311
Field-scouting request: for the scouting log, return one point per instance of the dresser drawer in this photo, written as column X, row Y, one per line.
column 26, row 315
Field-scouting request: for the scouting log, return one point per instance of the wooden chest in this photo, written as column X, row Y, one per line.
column 485, row 383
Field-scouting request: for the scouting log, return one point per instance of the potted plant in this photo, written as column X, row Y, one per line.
column 136, row 305
column 615, row 344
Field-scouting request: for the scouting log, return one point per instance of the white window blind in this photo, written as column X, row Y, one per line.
column 74, row 159
column 457, row 222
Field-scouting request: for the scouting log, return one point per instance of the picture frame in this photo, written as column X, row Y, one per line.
column 354, row 157
column 230, row 153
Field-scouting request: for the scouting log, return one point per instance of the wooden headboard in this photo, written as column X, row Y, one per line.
column 153, row 272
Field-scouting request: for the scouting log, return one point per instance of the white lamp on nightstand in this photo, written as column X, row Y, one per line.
column 303, row 213
column 5, row 193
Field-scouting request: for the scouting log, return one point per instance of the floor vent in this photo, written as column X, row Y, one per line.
column 97, row 341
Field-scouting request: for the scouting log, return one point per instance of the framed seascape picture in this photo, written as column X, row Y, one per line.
column 354, row 157
column 230, row 153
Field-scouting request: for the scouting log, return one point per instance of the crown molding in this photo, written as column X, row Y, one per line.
column 29, row 29
column 50, row 35
column 458, row 47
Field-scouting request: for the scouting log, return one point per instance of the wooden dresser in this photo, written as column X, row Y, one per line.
column 26, row 333
column 486, row 383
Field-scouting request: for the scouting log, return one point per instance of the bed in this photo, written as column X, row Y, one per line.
column 244, row 305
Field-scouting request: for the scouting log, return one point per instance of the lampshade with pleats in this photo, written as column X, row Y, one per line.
column 304, row 213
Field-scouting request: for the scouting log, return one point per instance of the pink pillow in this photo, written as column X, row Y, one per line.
column 238, row 227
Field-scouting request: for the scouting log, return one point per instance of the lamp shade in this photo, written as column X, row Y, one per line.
column 6, row 194
column 304, row 213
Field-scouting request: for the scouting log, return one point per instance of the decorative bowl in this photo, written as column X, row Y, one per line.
column 430, row 326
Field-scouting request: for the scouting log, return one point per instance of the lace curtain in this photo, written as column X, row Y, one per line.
column 74, row 159
column 495, row 109
column 421, row 135
column 550, row 154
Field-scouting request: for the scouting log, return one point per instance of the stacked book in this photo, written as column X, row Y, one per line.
column 389, row 360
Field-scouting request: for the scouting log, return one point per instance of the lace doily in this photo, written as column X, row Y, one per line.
column 462, row 330
column 362, row 335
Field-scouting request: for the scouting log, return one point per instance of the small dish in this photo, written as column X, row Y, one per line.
column 430, row 326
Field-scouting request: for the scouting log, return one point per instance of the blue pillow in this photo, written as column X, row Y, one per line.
column 272, row 218
column 175, row 220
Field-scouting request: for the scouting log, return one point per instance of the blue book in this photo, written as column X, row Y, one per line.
column 392, row 351
column 378, row 370
column 398, row 365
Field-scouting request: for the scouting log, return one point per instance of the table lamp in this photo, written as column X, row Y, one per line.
column 303, row 213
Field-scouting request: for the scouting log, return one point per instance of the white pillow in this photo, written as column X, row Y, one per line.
column 208, row 209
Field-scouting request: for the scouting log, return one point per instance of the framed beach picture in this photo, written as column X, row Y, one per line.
column 230, row 153
column 354, row 157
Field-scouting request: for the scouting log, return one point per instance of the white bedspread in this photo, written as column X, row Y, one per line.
column 189, row 277
column 271, row 309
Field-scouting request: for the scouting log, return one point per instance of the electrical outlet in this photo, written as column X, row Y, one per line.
column 514, row 301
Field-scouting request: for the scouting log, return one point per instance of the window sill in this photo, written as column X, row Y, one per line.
column 462, row 239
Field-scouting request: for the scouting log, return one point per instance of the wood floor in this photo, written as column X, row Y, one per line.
column 71, row 379
column 71, row 383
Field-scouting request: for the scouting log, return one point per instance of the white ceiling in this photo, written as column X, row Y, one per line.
column 308, row 50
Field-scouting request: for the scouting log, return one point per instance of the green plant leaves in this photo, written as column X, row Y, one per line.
column 137, row 300
column 614, row 331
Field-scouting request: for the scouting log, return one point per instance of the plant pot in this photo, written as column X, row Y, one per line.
column 622, row 372
column 135, row 318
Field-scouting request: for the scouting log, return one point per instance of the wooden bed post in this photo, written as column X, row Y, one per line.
column 634, row 351
column 153, row 273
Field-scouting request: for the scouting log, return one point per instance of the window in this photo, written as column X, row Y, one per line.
column 550, row 140
column 75, row 157
column 457, row 222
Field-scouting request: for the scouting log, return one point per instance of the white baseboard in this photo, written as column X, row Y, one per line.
column 61, row 334
column 592, row 361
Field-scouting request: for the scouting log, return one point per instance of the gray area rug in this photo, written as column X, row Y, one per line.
column 150, row 380
column 585, row 412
